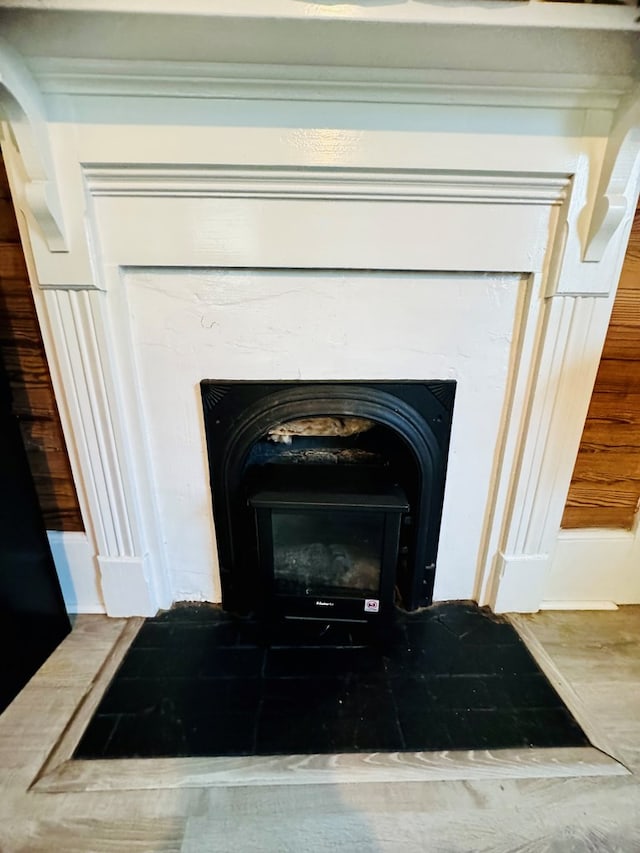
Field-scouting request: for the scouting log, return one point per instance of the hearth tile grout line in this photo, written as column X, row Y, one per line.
column 396, row 710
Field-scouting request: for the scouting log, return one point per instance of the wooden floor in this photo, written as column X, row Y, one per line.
column 598, row 653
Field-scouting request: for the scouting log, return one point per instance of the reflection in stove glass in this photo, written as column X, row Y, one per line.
column 327, row 553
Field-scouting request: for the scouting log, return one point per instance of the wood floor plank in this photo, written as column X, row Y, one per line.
column 541, row 816
column 85, row 709
column 591, row 725
column 140, row 774
column 94, row 835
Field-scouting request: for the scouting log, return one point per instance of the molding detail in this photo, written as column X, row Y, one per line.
column 79, row 353
column 353, row 184
column 336, row 84
column 21, row 105
column 212, row 394
column 565, row 365
column 444, row 392
column 130, row 582
column 613, row 202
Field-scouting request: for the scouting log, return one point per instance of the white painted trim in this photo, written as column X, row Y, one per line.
column 595, row 565
column 326, row 183
column 132, row 235
column 127, row 587
column 578, row 605
column 72, row 76
column 21, row 103
column 521, row 581
column 569, row 334
column 298, row 202
column 76, row 572
column 79, row 352
column 522, row 14
column 84, row 357
column 75, row 553
column 615, row 197
column 75, row 345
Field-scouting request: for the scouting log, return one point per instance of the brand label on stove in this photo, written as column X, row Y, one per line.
column 371, row 605
column 324, row 603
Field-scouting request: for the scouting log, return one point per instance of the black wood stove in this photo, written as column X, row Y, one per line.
column 327, row 496
column 328, row 541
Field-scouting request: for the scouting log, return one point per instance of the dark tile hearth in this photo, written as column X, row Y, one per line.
column 198, row 682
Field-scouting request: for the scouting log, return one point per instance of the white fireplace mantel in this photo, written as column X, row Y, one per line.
column 401, row 191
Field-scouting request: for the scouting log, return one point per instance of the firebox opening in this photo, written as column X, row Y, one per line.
column 327, row 496
column 333, row 523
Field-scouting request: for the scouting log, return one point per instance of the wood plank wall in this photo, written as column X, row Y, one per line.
column 26, row 364
column 605, row 489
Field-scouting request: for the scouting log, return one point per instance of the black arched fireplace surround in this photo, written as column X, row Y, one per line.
column 376, row 486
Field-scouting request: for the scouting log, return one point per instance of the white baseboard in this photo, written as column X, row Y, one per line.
column 77, row 572
column 521, row 583
column 594, row 566
column 125, row 587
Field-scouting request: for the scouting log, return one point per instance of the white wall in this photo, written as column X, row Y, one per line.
column 226, row 324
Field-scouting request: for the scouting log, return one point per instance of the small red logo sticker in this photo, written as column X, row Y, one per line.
column 371, row 605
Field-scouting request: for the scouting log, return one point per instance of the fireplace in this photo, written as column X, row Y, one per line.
column 327, row 497
column 362, row 195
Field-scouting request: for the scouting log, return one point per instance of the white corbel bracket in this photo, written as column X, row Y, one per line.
column 613, row 205
column 21, row 106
